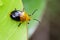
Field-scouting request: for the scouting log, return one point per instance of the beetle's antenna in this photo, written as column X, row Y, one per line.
column 23, row 9
column 33, row 12
column 36, row 20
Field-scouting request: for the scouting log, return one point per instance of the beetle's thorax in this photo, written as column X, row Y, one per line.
column 24, row 17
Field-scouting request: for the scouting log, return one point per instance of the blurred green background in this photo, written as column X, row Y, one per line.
column 30, row 6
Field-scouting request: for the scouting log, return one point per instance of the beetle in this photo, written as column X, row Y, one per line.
column 21, row 16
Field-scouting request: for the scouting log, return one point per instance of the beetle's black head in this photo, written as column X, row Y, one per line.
column 15, row 15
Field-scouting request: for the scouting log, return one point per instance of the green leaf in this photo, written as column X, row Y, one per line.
column 30, row 6
column 9, row 29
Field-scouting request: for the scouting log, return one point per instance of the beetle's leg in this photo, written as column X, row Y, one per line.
column 36, row 20
column 15, row 9
column 28, row 23
column 19, row 24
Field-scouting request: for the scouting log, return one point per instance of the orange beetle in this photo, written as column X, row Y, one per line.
column 22, row 16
